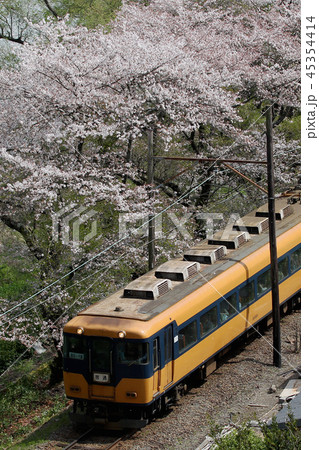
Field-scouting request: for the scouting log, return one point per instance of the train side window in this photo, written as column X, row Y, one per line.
column 228, row 307
column 295, row 260
column 133, row 353
column 208, row 321
column 283, row 269
column 246, row 294
column 187, row 336
column 263, row 282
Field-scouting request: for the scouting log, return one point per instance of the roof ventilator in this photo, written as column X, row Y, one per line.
column 254, row 225
column 177, row 270
column 281, row 213
column 147, row 288
column 204, row 255
column 231, row 239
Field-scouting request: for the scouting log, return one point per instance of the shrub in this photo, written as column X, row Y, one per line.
column 243, row 438
column 273, row 437
column 9, row 352
column 276, row 438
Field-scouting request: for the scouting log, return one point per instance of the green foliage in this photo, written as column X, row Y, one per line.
column 42, row 435
column 8, row 60
column 250, row 113
column 276, row 438
column 273, row 437
column 14, row 282
column 29, row 393
column 291, row 128
column 9, row 352
column 242, row 439
column 18, row 270
column 90, row 13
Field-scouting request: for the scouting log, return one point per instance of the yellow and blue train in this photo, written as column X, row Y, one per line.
column 131, row 354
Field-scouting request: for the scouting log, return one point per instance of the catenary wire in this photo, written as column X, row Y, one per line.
column 127, row 235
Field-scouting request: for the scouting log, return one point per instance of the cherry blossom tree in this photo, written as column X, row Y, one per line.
column 161, row 63
column 65, row 98
column 79, row 101
column 16, row 17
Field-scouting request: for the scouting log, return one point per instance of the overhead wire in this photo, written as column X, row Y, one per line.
column 182, row 197
column 143, row 225
column 121, row 240
column 93, row 274
column 49, row 326
column 118, row 241
column 66, row 288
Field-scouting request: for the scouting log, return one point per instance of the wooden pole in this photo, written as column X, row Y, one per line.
column 151, row 221
column 273, row 244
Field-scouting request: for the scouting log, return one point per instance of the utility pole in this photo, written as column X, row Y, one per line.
column 150, row 182
column 272, row 223
column 272, row 243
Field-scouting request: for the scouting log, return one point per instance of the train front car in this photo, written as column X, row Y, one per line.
column 107, row 371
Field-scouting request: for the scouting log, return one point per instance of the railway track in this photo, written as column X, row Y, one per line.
column 104, row 442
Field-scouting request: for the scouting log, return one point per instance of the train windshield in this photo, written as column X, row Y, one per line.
column 101, row 354
column 133, row 353
column 75, row 347
column 80, row 347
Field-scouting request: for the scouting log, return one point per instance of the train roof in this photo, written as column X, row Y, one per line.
column 159, row 289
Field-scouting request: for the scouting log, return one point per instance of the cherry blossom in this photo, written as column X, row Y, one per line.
column 78, row 99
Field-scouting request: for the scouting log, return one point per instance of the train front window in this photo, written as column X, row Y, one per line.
column 133, row 353
column 75, row 347
column 101, row 354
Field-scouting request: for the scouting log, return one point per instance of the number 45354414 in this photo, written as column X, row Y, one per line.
column 310, row 50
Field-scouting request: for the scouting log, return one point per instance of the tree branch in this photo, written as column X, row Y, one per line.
column 47, row 4
column 12, row 39
column 27, row 234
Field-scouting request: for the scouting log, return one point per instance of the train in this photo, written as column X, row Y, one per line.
column 130, row 355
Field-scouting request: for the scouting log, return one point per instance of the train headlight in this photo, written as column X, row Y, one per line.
column 122, row 334
column 131, row 394
column 80, row 330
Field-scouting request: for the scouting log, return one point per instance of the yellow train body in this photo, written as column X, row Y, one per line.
column 171, row 331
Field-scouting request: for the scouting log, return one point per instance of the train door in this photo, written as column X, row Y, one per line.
column 167, row 372
column 156, row 367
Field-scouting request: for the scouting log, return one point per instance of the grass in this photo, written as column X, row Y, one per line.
column 14, row 282
column 19, row 272
column 42, row 434
column 28, row 403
